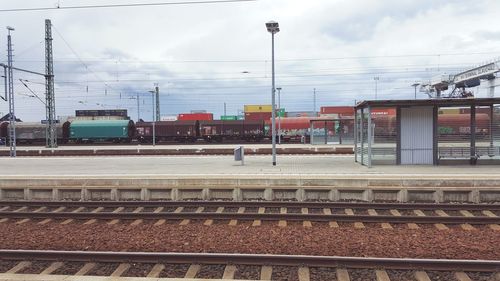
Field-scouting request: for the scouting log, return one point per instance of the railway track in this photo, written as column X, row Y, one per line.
column 385, row 213
column 235, row 266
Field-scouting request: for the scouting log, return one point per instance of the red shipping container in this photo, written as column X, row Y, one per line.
column 258, row 116
column 195, row 116
column 341, row 110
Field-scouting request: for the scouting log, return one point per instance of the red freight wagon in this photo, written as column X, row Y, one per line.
column 180, row 131
column 220, row 130
column 195, row 117
column 258, row 116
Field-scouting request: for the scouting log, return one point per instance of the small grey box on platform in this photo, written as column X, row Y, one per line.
column 239, row 154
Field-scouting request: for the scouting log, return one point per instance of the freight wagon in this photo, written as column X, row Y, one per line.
column 117, row 131
column 222, row 130
column 34, row 133
column 179, row 131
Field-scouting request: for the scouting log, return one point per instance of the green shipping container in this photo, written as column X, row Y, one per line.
column 101, row 129
column 228, row 117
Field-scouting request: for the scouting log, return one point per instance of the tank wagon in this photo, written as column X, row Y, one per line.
column 178, row 131
column 34, row 133
column 116, row 131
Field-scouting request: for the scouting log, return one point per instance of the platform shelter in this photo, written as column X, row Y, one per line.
column 428, row 132
column 332, row 130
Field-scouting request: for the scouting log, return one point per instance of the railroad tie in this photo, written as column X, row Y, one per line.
column 266, row 272
column 304, row 274
column 241, row 210
column 23, row 221
column 441, row 226
column 184, row 222
column 384, row 225
column 45, row 221
column 39, row 209
column 262, row 210
column 462, row 276
column 3, row 220
column 156, row 270
column 53, row 267
column 21, row 209
column 466, row 226
column 79, row 209
column 229, row 272
column 413, row 226
column 382, row 275
column 161, row 221
column 305, row 211
column 115, row 221
column 343, row 275
column 492, row 215
column 200, row 210
column 4, row 208
column 219, row 210
column 86, row 268
column 282, row 223
column 422, row 276
column 179, row 210
column 138, row 221
column 18, row 267
column 192, row 271
column 208, row 222
column 92, row 221
column 122, row 268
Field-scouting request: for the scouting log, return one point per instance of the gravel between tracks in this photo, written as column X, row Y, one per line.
column 264, row 239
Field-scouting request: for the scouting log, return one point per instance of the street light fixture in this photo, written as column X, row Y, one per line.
column 279, row 114
column 415, row 85
column 273, row 28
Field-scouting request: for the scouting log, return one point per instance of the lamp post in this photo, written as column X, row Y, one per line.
column 415, row 85
column 273, row 28
column 153, row 93
column 279, row 114
column 376, row 84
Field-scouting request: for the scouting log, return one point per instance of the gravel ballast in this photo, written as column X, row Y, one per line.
column 265, row 239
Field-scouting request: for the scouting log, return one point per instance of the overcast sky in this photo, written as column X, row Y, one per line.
column 207, row 54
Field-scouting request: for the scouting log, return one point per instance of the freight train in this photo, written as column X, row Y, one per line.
column 451, row 127
column 126, row 131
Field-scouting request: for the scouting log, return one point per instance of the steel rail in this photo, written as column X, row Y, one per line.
column 256, row 204
column 252, row 216
column 253, row 259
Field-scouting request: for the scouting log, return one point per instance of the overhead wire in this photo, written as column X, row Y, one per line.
column 59, row 7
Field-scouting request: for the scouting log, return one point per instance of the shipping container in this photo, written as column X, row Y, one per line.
column 102, row 130
column 198, row 111
column 195, row 116
column 301, row 114
column 102, row 112
column 258, row 116
column 341, row 110
column 228, row 117
column 168, row 118
column 258, row 108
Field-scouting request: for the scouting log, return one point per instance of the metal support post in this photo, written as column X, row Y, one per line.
column 273, row 117
column 138, row 108
column 314, row 102
column 435, row 134
column 279, row 115
column 157, row 91
column 51, row 132
column 362, row 141
column 370, row 135
column 10, row 82
column 154, row 123
column 473, row 134
column 356, row 135
column 492, row 112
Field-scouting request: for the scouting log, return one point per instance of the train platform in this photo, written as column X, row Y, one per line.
column 175, row 149
column 296, row 177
